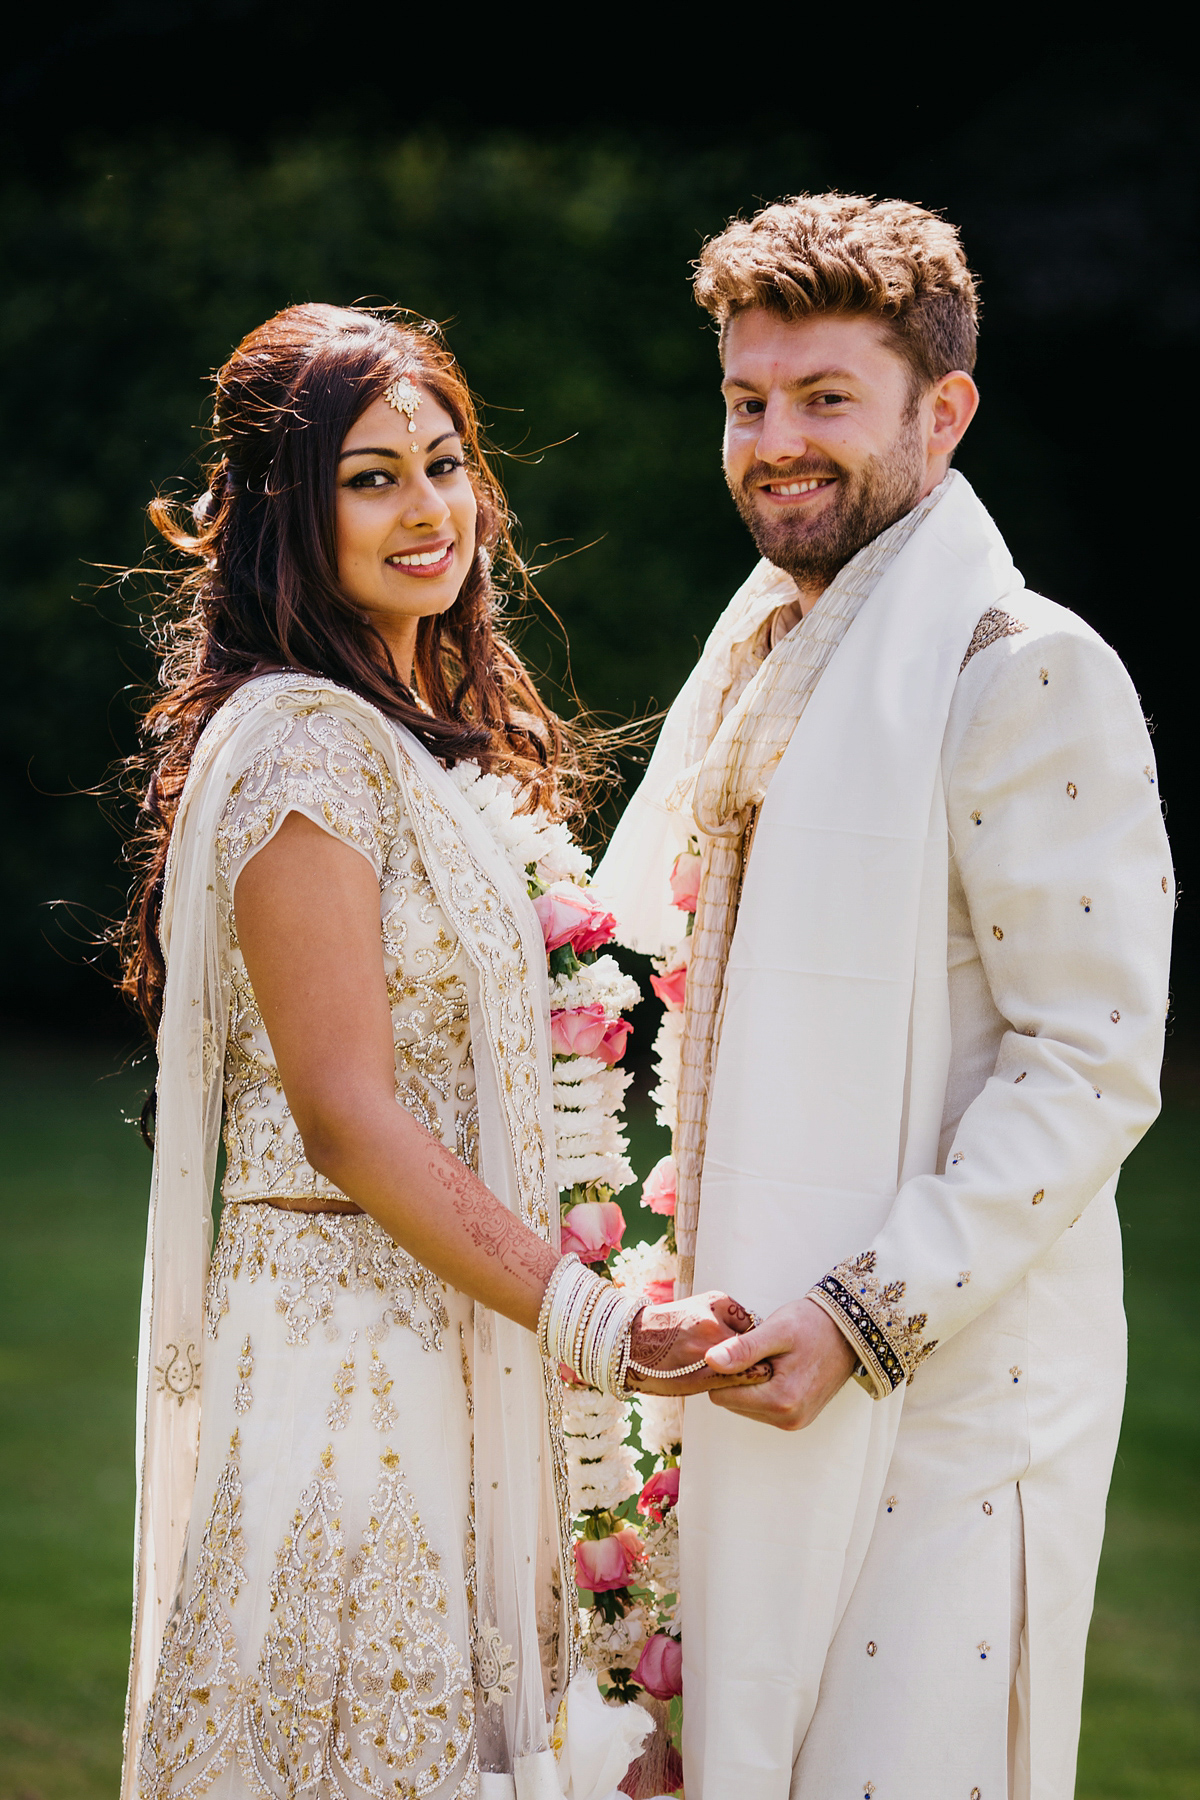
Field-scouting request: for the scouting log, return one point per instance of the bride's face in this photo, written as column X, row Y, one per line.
column 405, row 519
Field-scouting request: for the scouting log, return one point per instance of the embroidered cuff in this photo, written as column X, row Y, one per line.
column 868, row 1312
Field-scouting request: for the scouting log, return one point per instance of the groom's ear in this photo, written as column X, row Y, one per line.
column 950, row 405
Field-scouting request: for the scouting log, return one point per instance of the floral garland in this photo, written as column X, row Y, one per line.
column 626, row 1533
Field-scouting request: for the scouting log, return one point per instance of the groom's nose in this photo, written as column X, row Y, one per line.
column 782, row 437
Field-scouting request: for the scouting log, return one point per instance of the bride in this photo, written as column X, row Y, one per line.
column 353, row 1566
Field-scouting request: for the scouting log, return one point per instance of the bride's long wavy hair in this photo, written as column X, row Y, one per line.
column 254, row 586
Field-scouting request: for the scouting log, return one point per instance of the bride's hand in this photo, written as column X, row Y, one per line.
column 676, row 1335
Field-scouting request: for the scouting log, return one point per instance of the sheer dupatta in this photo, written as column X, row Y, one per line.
column 527, row 1610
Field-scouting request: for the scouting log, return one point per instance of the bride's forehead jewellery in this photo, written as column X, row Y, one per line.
column 405, row 398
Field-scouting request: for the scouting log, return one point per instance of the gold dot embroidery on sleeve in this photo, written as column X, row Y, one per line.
column 997, row 933
column 1085, row 902
column 1148, row 772
column 1020, row 1077
column 987, row 1507
column 872, row 1647
column 1164, row 884
column 1072, row 790
column 1115, row 1016
column 1038, row 1197
column 1044, row 677
column 977, row 818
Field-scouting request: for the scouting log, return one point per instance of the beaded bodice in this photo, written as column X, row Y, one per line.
column 323, row 766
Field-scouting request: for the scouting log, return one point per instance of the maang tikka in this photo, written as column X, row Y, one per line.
column 405, row 398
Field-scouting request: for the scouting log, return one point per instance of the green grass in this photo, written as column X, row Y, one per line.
column 73, row 1181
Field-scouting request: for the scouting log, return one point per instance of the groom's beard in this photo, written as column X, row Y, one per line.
column 867, row 501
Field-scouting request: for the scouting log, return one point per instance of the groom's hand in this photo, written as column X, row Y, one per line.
column 810, row 1360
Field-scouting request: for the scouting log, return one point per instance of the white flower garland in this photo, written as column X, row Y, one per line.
column 590, row 1144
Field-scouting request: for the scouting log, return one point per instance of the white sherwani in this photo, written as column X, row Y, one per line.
column 909, row 1621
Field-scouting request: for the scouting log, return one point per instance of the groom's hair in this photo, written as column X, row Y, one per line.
column 843, row 253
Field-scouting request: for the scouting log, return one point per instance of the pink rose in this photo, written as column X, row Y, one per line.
column 660, row 1667
column 578, row 1030
column 671, row 987
column 602, row 1564
column 659, row 1293
column 567, row 916
column 658, row 1189
column 611, row 1047
column 659, row 1494
column 568, row 1377
column 685, row 882
column 593, row 1229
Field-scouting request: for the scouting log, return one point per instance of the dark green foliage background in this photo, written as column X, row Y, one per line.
column 560, row 263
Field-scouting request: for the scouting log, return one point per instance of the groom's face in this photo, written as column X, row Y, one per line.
column 825, row 438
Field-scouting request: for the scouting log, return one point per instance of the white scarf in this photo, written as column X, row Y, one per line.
column 525, row 1565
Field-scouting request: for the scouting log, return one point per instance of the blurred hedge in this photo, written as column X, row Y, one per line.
column 561, row 270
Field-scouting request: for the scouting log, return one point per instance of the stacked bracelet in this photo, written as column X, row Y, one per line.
column 586, row 1323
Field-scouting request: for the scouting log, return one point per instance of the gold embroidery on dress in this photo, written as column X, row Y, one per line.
column 243, row 1394
column 194, row 1712
column 289, row 1718
column 316, row 760
column 338, row 1414
column 404, row 1690
column 383, row 1413
column 312, row 1258
column 179, row 1371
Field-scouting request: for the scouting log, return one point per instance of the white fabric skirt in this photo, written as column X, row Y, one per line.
column 321, row 1641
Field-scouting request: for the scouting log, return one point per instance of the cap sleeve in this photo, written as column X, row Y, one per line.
column 319, row 763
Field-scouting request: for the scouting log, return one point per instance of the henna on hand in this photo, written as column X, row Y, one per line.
column 652, row 1343
column 489, row 1224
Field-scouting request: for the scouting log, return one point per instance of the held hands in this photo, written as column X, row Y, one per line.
column 809, row 1359
column 670, row 1337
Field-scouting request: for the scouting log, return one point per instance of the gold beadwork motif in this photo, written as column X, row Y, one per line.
column 872, row 1647
column 976, row 818
column 887, row 1339
column 1085, row 902
column 1044, row 677
column 1015, row 1372
column 311, row 1258
column 495, row 1665
column 964, row 1275
column 1115, row 1016
column 1039, row 1197
column 997, row 933
column 383, row 1413
column 987, row 1507
column 983, row 1649
column 993, row 626
column 178, row 1374
column 1072, row 790
column 243, row 1395
column 338, row 1415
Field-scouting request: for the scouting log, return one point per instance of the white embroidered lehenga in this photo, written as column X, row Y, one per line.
column 324, row 1635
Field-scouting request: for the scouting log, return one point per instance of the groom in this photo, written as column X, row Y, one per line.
column 923, row 1029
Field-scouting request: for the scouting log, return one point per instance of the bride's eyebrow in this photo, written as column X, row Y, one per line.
column 396, row 455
